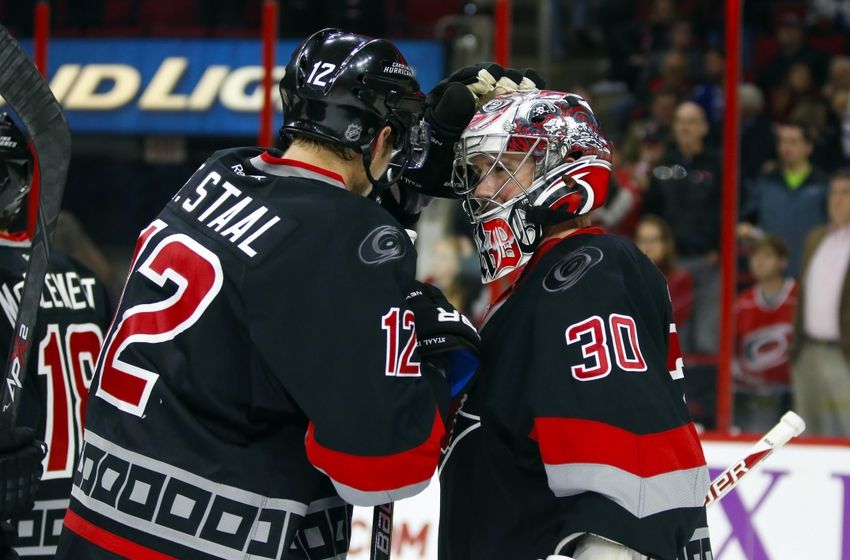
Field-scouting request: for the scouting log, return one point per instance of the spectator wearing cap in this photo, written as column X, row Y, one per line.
column 791, row 200
column 821, row 350
column 758, row 143
column 792, row 47
column 764, row 317
column 685, row 191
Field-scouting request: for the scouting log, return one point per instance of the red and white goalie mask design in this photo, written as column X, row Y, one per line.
column 528, row 161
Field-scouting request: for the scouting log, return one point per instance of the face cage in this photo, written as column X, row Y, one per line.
column 466, row 179
column 412, row 151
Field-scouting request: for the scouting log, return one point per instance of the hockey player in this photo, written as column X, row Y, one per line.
column 574, row 439
column 262, row 372
column 71, row 322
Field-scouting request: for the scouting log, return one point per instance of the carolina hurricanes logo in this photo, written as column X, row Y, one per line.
column 585, row 184
column 765, row 348
column 571, row 269
column 490, row 113
column 382, row 244
column 500, row 244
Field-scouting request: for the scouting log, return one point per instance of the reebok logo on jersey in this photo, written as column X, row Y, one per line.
column 382, row 244
column 571, row 269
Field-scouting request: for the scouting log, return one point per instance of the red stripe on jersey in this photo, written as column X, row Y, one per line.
column 379, row 473
column 571, row 440
column 110, row 541
column 268, row 158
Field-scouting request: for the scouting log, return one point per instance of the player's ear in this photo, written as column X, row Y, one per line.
column 383, row 143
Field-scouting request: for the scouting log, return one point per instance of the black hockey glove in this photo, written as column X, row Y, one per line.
column 446, row 338
column 20, row 471
column 448, row 109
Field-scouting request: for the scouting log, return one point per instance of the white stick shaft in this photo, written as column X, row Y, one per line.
column 789, row 426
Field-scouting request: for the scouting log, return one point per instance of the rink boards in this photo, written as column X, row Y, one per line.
column 795, row 505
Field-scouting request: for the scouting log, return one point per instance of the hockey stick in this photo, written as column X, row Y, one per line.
column 789, row 426
column 382, row 532
column 27, row 92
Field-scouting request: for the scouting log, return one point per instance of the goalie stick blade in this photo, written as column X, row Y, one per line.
column 29, row 95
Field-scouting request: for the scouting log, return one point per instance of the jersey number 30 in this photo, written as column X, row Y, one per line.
column 592, row 335
column 196, row 274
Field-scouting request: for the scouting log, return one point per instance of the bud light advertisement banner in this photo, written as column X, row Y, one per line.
column 175, row 86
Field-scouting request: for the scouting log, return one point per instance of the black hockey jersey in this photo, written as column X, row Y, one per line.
column 577, row 422
column 72, row 320
column 260, row 376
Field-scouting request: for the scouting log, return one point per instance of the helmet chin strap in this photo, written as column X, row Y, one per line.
column 381, row 184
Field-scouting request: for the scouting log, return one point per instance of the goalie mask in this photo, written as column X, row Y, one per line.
column 344, row 88
column 527, row 161
column 16, row 166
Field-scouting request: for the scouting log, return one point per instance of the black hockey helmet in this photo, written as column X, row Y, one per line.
column 16, row 164
column 344, row 88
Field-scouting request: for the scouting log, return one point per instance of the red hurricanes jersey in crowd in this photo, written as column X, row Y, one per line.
column 577, row 420
column 260, row 376
column 764, row 332
column 72, row 320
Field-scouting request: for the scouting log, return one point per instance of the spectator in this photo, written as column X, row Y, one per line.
column 840, row 103
column 792, row 47
column 825, row 130
column 654, row 237
column 835, row 13
column 797, row 90
column 839, row 76
column 709, row 91
column 444, row 270
column 661, row 110
column 764, row 316
column 685, row 191
column 679, row 41
column 791, row 200
column 674, row 74
column 821, row 352
column 632, row 178
column 758, row 143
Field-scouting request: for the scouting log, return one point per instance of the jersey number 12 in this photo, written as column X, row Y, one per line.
column 195, row 272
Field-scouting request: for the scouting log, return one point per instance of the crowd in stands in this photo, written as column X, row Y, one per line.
column 229, row 18
column 795, row 149
column 666, row 59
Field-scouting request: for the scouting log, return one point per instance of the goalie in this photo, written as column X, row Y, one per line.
column 575, row 439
